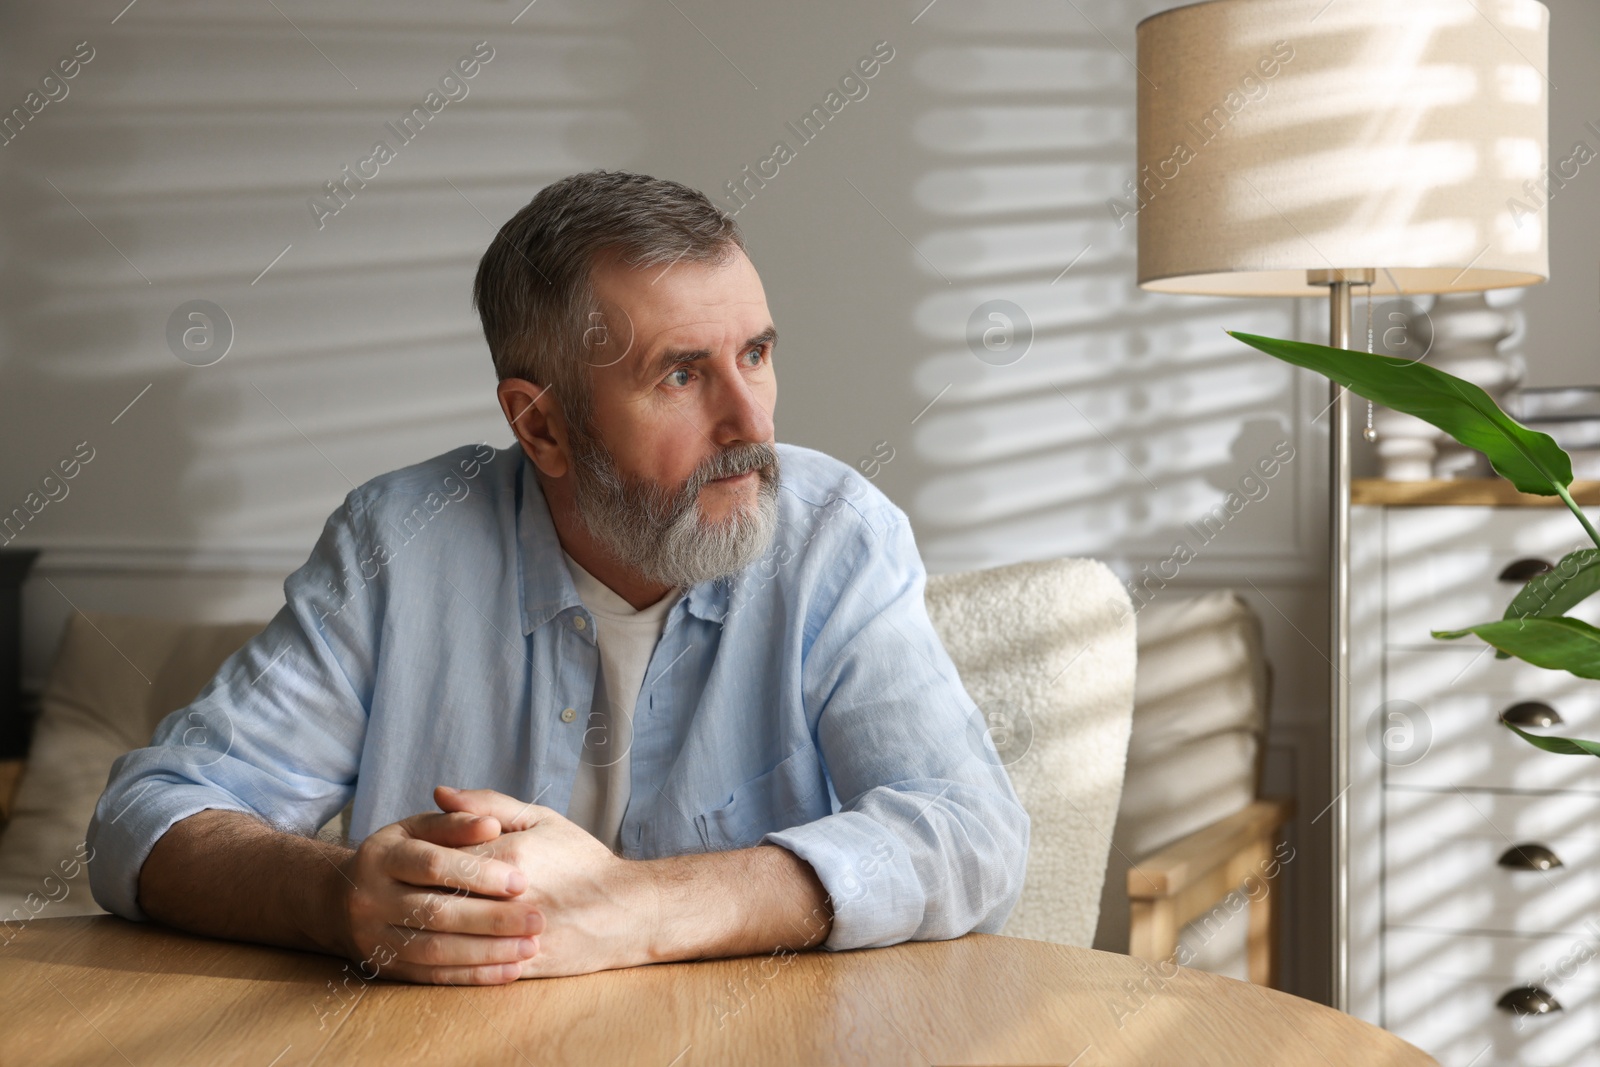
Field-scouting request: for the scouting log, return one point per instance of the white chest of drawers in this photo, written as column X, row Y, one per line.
column 1473, row 858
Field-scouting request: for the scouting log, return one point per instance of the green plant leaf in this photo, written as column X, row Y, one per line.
column 1570, row 582
column 1566, row 746
column 1557, row 644
column 1530, row 460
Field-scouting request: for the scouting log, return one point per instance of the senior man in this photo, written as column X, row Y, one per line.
column 685, row 672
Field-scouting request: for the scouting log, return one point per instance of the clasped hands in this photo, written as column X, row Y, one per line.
column 492, row 889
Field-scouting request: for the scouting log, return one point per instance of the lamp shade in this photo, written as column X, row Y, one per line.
column 1278, row 137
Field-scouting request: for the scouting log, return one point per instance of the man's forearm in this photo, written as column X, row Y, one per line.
column 228, row 874
column 739, row 903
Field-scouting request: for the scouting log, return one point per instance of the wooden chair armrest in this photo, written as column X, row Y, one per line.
column 1191, row 876
column 10, row 775
column 1187, row 861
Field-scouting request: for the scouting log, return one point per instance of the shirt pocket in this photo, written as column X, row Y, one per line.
column 792, row 793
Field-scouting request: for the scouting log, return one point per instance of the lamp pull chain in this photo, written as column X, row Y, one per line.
column 1370, row 432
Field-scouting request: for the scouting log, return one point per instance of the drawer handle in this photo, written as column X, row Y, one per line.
column 1530, row 857
column 1531, row 713
column 1528, row 1000
column 1524, row 569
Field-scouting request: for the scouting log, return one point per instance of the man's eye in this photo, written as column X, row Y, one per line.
column 759, row 350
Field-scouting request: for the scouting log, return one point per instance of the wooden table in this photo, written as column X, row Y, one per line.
column 104, row 990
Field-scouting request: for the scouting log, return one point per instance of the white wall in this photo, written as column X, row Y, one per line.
column 1563, row 342
column 978, row 167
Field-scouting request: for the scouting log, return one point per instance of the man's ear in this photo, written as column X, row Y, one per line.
column 535, row 418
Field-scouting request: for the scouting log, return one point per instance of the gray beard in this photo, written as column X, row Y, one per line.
column 659, row 533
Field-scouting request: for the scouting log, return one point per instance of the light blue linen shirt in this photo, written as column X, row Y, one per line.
column 435, row 636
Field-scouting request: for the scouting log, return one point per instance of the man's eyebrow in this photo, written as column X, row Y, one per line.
column 671, row 357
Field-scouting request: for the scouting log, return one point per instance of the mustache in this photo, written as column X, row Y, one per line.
column 757, row 457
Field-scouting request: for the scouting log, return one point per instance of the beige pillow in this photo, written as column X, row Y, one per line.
column 1199, row 719
column 113, row 679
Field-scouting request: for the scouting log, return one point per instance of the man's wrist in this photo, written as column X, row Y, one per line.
column 326, row 919
column 717, row 904
column 661, row 897
column 652, row 907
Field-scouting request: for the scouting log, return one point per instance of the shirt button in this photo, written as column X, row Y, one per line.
column 580, row 622
column 568, row 714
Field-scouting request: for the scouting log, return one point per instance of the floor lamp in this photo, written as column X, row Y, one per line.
column 1315, row 147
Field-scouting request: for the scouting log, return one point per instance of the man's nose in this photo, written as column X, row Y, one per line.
column 744, row 414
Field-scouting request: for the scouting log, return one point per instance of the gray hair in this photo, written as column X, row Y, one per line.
column 534, row 290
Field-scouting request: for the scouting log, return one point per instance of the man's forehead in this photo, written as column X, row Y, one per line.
column 683, row 307
column 700, row 327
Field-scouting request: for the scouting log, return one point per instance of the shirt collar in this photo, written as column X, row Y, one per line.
column 547, row 586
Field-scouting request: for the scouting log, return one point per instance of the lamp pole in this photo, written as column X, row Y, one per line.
column 1340, row 283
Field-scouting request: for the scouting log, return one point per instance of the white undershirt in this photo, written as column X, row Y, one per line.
column 627, row 638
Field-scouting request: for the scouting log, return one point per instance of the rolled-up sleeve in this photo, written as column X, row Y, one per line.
column 277, row 732
column 931, row 841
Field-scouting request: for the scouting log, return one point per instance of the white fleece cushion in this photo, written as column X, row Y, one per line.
column 1050, row 647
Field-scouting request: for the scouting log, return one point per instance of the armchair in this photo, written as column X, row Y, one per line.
column 1143, row 784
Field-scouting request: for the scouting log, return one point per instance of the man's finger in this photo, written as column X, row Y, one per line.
column 459, row 950
column 453, row 914
column 512, row 814
column 489, row 974
column 422, row 863
column 452, row 829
